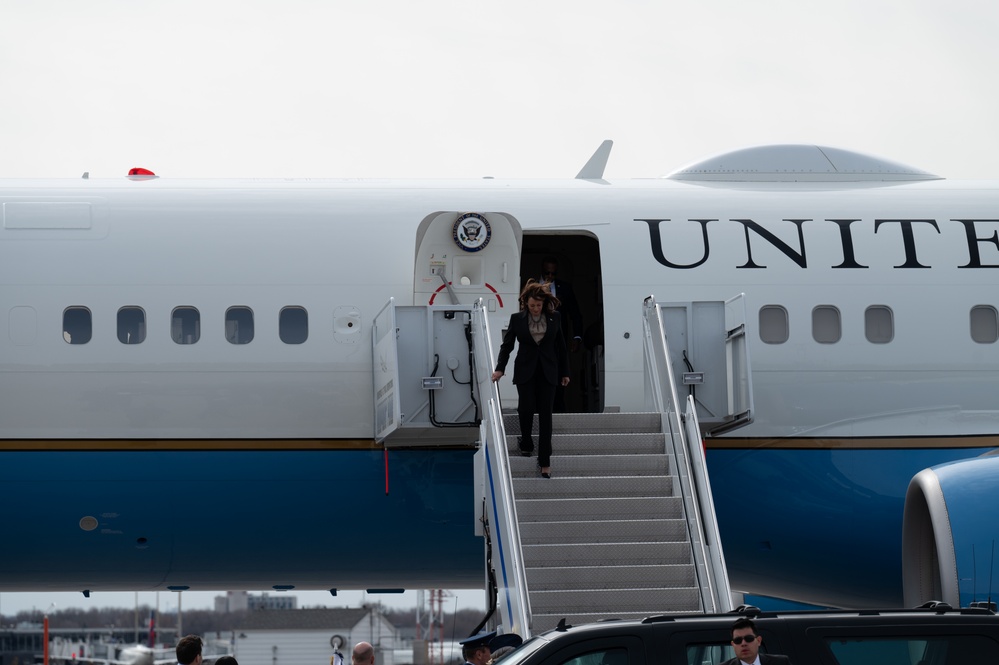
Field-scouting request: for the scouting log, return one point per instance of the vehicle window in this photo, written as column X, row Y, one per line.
column 709, row 654
column 943, row 650
column 612, row 656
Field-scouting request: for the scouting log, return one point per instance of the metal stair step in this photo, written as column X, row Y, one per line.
column 615, row 600
column 605, row 554
column 611, row 577
column 567, row 510
column 570, row 466
column 592, row 422
column 537, row 487
column 597, row 444
column 605, row 537
column 604, row 531
column 542, row 622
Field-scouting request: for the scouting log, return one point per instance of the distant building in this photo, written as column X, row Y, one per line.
column 232, row 601
column 239, row 601
column 25, row 643
column 282, row 637
column 265, row 602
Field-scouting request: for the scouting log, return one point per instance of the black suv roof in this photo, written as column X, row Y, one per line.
column 937, row 633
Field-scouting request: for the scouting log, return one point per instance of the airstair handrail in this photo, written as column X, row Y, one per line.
column 709, row 523
column 695, row 486
column 513, row 601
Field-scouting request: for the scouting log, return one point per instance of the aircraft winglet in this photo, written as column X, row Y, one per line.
column 594, row 168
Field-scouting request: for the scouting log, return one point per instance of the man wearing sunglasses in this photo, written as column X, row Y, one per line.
column 746, row 641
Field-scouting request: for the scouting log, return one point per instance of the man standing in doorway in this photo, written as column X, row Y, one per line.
column 568, row 310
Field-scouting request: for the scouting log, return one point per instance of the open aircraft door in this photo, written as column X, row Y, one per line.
column 710, row 357
column 426, row 364
column 385, row 365
column 462, row 256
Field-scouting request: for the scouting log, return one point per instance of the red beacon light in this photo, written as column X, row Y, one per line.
column 139, row 173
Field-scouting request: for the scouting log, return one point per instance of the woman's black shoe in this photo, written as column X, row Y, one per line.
column 525, row 451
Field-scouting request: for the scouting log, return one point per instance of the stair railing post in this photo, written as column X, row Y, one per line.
column 513, row 600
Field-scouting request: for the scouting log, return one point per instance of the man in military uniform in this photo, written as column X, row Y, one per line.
column 475, row 649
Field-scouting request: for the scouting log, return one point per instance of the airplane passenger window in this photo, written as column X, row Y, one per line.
column 984, row 324
column 185, row 325
column 131, row 325
column 879, row 325
column 773, row 324
column 826, row 326
column 293, row 325
column 239, row 325
column 77, row 325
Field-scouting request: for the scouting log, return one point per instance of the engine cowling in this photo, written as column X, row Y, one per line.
column 949, row 533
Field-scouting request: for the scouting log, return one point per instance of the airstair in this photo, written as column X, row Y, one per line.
column 608, row 535
column 626, row 526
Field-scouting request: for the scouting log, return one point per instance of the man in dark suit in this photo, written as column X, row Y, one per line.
column 568, row 307
column 746, row 641
column 568, row 310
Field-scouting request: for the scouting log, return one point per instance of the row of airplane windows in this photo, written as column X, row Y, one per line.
column 185, row 325
column 879, row 324
column 293, row 325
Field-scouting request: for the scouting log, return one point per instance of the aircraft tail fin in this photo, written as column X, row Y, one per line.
column 594, row 168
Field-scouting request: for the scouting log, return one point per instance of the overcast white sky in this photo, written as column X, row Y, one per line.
column 508, row 88
column 467, row 88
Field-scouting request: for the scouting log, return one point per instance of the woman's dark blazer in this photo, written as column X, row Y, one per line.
column 550, row 352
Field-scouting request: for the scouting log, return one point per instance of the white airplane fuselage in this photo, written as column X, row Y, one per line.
column 269, row 428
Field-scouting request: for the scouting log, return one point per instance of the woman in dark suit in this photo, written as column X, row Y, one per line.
column 540, row 365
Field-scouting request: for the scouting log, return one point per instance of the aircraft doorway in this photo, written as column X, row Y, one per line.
column 578, row 258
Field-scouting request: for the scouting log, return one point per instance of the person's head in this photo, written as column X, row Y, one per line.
column 537, row 298
column 549, row 268
column 364, row 654
column 746, row 640
column 226, row 660
column 477, row 655
column 189, row 650
column 475, row 649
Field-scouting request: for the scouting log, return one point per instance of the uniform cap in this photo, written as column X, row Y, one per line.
column 505, row 640
column 479, row 640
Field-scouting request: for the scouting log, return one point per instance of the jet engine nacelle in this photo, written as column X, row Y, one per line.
column 949, row 533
